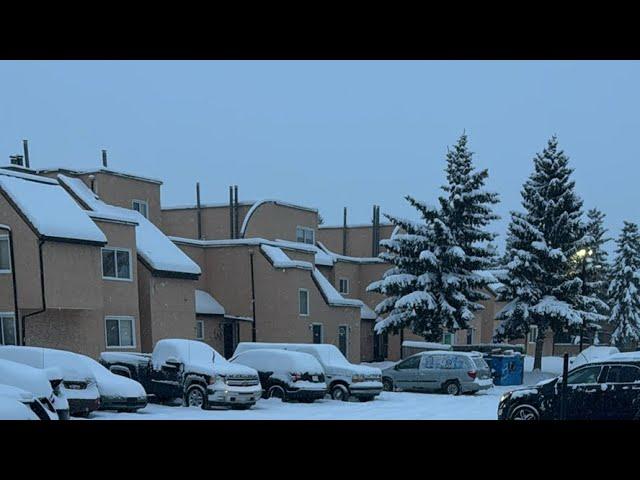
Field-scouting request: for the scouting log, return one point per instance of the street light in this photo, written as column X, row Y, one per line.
column 583, row 254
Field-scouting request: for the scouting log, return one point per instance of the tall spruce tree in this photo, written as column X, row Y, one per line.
column 433, row 284
column 540, row 288
column 624, row 288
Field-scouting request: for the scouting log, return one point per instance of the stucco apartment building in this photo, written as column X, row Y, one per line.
column 86, row 276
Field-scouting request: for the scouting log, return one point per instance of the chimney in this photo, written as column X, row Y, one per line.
column 25, row 147
column 235, row 213
column 104, row 158
column 344, row 231
column 373, row 232
column 231, row 222
column 198, row 210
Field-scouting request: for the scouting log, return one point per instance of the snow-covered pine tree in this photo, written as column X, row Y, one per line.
column 624, row 288
column 541, row 289
column 433, row 285
column 592, row 266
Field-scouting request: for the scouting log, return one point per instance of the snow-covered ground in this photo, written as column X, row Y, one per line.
column 388, row 406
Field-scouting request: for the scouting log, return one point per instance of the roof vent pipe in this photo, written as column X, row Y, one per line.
column 231, row 223
column 199, row 213
column 344, row 231
column 25, row 147
column 104, row 158
column 236, row 215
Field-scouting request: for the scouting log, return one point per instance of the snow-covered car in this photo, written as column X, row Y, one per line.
column 40, row 383
column 592, row 354
column 27, row 399
column 78, row 383
column 344, row 379
column 606, row 389
column 116, row 391
column 449, row 372
column 13, row 409
column 286, row 375
column 190, row 370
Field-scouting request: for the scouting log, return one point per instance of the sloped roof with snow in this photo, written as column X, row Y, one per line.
column 117, row 173
column 207, row 305
column 330, row 294
column 335, row 257
column 154, row 247
column 367, row 313
column 48, row 208
column 279, row 259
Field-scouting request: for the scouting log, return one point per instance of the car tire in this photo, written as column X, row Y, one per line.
column 196, row 396
column 340, row 392
column 524, row 412
column 276, row 391
column 387, row 385
column 452, row 387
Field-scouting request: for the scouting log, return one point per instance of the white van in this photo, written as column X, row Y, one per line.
column 344, row 379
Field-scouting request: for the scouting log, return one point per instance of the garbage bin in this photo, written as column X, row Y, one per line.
column 506, row 369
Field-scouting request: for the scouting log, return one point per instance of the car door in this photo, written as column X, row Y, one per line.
column 406, row 373
column 585, row 397
column 167, row 380
column 428, row 376
column 620, row 390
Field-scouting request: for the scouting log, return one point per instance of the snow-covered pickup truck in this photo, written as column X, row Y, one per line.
column 190, row 370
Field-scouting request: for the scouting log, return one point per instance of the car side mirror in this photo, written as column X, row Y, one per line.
column 172, row 362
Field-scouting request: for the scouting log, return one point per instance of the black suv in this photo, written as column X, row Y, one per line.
column 606, row 390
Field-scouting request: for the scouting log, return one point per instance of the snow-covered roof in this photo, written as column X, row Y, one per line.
column 117, row 173
column 154, row 247
column 190, row 206
column 255, row 206
column 321, row 257
column 48, row 208
column 279, row 259
column 344, row 258
column 426, row 345
column 367, row 313
column 207, row 305
column 353, row 225
column 330, row 294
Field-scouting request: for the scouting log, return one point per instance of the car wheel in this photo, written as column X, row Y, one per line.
column 277, row 392
column 524, row 412
column 196, row 397
column 452, row 388
column 340, row 392
column 387, row 385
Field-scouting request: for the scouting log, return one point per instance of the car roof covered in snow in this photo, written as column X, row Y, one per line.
column 450, row 352
column 278, row 361
column 153, row 246
column 48, row 209
column 71, row 366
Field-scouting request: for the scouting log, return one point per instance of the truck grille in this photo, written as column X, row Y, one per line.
column 242, row 381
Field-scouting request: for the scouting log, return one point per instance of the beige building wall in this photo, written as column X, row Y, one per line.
column 215, row 222
column 6, row 285
column 276, row 221
column 359, row 239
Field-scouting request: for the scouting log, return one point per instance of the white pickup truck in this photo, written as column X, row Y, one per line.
column 190, row 370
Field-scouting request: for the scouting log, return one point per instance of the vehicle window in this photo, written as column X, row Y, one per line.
column 623, row 374
column 480, row 363
column 460, row 363
column 584, row 375
column 427, row 361
column 409, row 363
column 446, row 362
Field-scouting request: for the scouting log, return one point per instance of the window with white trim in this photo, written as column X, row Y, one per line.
column 116, row 263
column 141, row 206
column 199, row 329
column 120, row 332
column 343, row 285
column 448, row 338
column 5, row 254
column 532, row 336
column 305, row 235
column 303, row 301
column 7, row 329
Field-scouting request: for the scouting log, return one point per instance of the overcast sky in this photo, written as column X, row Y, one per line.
column 330, row 134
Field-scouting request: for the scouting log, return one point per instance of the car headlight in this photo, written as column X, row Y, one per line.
column 357, row 378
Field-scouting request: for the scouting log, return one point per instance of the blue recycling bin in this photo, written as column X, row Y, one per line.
column 506, row 369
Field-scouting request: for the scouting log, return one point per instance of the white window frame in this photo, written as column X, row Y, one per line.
column 4, row 316
column 116, row 249
column 141, row 202
column 453, row 338
column 321, row 331
column 300, row 304
column 5, row 236
column 200, row 322
column 530, row 334
column 120, row 318
column 306, row 230
column 346, row 327
column 346, row 280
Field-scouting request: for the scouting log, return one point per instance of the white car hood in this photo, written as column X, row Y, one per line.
column 354, row 370
column 228, row 368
